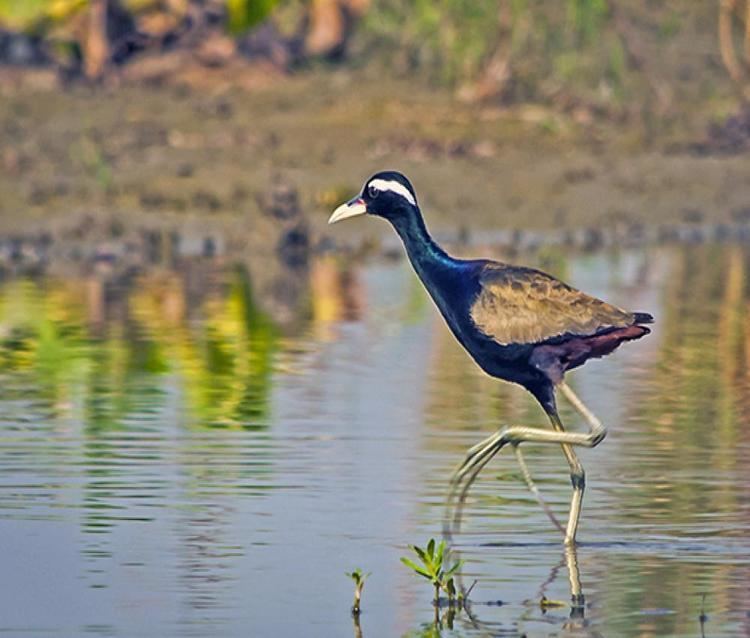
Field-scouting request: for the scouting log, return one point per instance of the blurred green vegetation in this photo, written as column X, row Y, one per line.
column 632, row 57
column 448, row 38
column 453, row 39
column 37, row 15
column 243, row 14
column 22, row 15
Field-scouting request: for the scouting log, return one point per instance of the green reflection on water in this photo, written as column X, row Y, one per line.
column 131, row 363
column 693, row 410
column 689, row 430
column 106, row 348
column 110, row 368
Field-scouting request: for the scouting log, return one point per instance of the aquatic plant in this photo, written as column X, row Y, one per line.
column 434, row 567
column 547, row 603
column 359, row 578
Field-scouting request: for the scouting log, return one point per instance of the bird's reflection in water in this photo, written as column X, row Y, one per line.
column 576, row 619
column 472, row 611
column 577, row 599
column 467, row 619
column 550, row 609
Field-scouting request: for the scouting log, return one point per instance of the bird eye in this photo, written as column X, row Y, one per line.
column 373, row 191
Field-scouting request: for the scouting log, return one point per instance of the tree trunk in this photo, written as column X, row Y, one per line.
column 95, row 44
column 726, row 46
column 331, row 23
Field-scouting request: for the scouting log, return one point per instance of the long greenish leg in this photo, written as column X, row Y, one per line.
column 577, row 473
column 479, row 455
column 577, row 479
column 534, row 489
column 483, row 453
column 518, row 434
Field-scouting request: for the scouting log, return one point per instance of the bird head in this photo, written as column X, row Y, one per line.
column 386, row 194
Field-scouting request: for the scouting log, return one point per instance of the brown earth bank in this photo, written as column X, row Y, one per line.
column 164, row 154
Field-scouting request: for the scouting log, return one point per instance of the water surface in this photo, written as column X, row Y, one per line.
column 173, row 463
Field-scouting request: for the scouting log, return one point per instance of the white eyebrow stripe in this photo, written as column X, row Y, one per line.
column 395, row 187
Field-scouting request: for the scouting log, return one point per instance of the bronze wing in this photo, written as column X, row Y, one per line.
column 522, row 305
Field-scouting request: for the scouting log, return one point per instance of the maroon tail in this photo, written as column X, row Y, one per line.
column 555, row 360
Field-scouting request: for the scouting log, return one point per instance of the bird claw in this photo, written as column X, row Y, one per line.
column 597, row 437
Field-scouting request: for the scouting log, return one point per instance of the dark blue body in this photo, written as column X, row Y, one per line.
column 454, row 285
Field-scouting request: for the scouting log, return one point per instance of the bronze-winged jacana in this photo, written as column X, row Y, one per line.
column 519, row 324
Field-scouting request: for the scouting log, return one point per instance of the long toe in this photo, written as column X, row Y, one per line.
column 477, row 460
column 467, row 467
column 490, row 440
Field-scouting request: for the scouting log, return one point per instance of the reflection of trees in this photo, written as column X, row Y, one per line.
column 692, row 421
column 337, row 294
column 697, row 397
column 65, row 335
column 222, row 350
column 127, row 361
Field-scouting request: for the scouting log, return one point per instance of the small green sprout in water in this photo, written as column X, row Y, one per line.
column 546, row 603
column 435, row 569
column 359, row 578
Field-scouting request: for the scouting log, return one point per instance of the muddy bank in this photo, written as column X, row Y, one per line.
column 178, row 154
